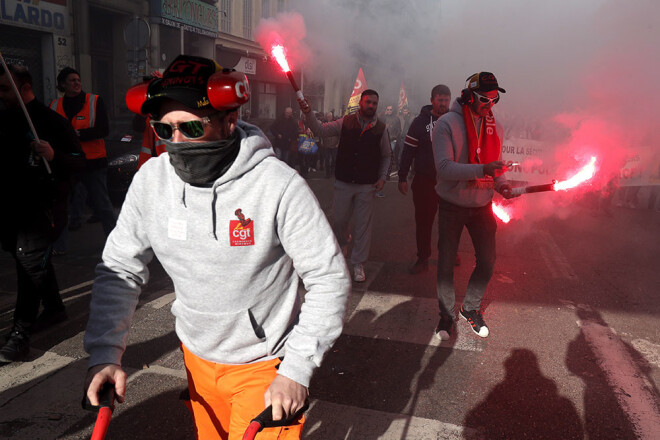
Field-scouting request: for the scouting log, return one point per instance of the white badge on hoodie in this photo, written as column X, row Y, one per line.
column 177, row 229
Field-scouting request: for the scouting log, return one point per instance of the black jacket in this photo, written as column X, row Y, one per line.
column 25, row 187
column 418, row 146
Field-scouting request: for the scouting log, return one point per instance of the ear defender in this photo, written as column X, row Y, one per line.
column 137, row 95
column 228, row 89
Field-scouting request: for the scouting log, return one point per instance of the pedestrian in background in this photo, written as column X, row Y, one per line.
column 467, row 148
column 285, row 137
column 330, row 144
column 87, row 113
column 418, row 150
column 34, row 204
column 363, row 159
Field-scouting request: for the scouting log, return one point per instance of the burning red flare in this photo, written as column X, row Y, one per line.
column 501, row 213
column 280, row 57
column 586, row 173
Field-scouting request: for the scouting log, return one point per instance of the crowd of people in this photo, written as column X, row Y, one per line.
column 222, row 213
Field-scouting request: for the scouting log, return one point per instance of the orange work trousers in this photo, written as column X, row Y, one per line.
column 225, row 398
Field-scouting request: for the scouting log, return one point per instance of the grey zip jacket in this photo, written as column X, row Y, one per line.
column 235, row 252
column 450, row 152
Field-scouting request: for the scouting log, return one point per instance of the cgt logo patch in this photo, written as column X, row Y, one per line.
column 241, row 231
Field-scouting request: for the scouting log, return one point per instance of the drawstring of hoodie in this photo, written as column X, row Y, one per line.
column 213, row 213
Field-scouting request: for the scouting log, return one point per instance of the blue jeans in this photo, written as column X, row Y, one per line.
column 95, row 182
column 481, row 225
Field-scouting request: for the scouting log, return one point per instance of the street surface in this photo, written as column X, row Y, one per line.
column 573, row 352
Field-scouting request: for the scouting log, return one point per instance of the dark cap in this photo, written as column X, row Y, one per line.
column 185, row 81
column 61, row 77
column 483, row 82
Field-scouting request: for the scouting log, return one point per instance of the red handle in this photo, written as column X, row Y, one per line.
column 102, row 422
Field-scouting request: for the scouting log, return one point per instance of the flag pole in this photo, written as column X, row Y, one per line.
column 20, row 101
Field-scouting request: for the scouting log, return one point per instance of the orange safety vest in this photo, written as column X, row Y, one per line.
column 86, row 118
column 151, row 144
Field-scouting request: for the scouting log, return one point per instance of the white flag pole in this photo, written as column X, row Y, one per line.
column 20, row 101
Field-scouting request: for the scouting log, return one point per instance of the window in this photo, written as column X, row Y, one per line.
column 225, row 16
column 267, row 100
column 247, row 19
column 265, row 8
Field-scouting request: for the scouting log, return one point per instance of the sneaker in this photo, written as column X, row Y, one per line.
column 474, row 318
column 420, row 266
column 380, row 194
column 16, row 348
column 394, row 174
column 358, row 273
column 49, row 318
column 443, row 330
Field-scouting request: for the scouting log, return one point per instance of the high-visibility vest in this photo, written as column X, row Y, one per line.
column 152, row 145
column 86, row 118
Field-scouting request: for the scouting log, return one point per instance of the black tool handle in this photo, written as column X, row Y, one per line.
column 265, row 419
column 106, row 399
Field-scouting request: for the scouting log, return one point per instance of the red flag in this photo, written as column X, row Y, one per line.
column 403, row 98
column 359, row 87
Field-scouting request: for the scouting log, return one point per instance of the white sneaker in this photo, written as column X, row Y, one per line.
column 358, row 273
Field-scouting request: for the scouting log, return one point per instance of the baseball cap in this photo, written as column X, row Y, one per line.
column 185, row 81
column 483, row 82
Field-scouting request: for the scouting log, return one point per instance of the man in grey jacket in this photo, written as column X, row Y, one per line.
column 363, row 158
column 234, row 228
column 467, row 149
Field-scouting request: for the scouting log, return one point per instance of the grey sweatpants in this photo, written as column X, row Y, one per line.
column 354, row 201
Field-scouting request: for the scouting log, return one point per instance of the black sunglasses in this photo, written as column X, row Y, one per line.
column 190, row 129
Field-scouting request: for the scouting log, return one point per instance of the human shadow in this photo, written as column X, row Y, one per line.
column 603, row 414
column 367, row 374
column 525, row 405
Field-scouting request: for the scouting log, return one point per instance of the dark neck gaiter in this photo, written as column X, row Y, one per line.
column 201, row 163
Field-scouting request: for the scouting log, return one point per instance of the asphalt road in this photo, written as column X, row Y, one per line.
column 574, row 349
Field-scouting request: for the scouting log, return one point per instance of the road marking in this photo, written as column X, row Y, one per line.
column 71, row 298
column 404, row 319
column 162, row 301
column 553, row 257
column 625, row 379
column 76, row 287
column 158, row 369
column 39, row 368
column 349, row 422
column 649, row 350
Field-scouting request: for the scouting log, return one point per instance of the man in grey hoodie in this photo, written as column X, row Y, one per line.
column 467, row 149
column 234, row 228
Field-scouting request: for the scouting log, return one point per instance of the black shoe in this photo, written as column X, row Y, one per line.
column 443, row 330
column 16, row 349
column 49, row 318
column 94, row 219
column 476, row 321
column 74, row 226
column 420, row 266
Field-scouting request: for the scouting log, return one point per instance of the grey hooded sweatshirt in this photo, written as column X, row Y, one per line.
column 234, row 252
column 450, row 152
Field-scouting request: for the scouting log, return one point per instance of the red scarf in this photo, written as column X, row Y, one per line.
column 484, row 148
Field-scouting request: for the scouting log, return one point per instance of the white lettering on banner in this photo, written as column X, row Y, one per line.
column 43, row 16
column 531, row 157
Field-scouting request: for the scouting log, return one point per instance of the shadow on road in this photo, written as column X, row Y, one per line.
column 525, row 405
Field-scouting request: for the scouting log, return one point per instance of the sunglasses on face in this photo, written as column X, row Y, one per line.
column 487, row 100
column 190, row 129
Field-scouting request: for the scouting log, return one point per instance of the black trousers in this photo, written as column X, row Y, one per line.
column 29, row 240
column 426, row 206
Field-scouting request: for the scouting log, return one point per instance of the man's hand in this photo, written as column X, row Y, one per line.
column 286, row 396
column 403, row 188
column 379, row 185
column 43, row 149
column 506, row 191
column 304, row 105
column 494, row 168
column 100, row 374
